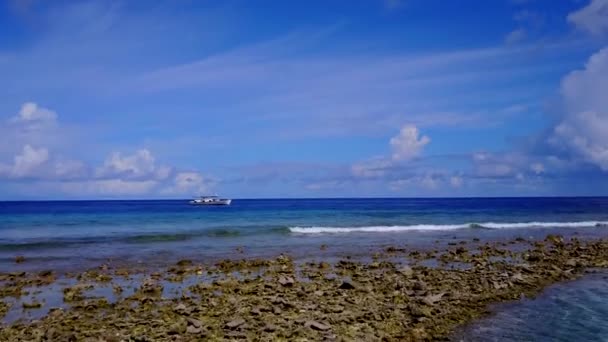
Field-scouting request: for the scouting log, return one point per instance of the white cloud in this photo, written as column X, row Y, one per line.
column 373, row 168
column 516, row 36
column 430, row 182
column 188, row 183
column 456, row 181
column 141, row 164
column 537, row 168
column 70, row 169
column 592, row 18
column 26, row 164
column 30, row 112
column 408, row 144
column 583, row 129
column 108, row 187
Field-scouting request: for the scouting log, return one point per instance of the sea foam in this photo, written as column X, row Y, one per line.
column 430, row 227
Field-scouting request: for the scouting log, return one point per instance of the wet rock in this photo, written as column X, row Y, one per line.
column 347, row 285
column 32, row 305
column 317, row 326
column 151, row 286
column 555, row 239
column 184, row 263
column 117, row 289
column 19, row 259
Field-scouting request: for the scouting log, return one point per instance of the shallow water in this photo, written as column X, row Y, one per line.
column 571, row 311
column 80, row 234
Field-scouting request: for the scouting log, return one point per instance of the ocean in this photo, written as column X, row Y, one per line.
column 75, row 235
column 56, row 233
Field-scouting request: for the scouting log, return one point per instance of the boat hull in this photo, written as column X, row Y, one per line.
column 211, row 203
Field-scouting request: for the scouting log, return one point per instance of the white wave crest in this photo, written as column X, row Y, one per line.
column 430, row 227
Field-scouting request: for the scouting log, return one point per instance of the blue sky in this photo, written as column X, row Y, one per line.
column 129, row 99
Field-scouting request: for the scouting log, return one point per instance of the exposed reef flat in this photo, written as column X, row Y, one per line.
column 398, row 294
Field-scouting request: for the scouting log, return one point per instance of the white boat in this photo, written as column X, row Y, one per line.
column 210, row 200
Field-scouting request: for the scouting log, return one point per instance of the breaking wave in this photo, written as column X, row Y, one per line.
column 431, row 227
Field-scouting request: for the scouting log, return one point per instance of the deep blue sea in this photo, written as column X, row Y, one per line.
column 80, row 234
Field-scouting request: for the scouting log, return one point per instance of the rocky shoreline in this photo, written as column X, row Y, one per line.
column 399, row 294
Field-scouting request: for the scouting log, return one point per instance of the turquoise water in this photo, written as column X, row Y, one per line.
column 54, row 233
column 573, row 311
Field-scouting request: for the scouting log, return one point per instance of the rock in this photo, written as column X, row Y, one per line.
column 432, row 299
column 193, row 330
column 461, row 250
column 32, row 305
column 151, row 286
column 317, row 326
column 269, row 327
column 420, row 311
column 286, row 281
column 181, row 309
column 117, row 289
column 19, row 259
column 406, row 271
column 420, row 286
column 518, row 278
column 184, row 262
column 235, row 323
column 571, row 263
column 194, row 322
column 177, row 328
column 555, row 239
column 347, row 285
column 46, row 273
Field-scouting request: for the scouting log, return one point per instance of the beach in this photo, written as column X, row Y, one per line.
column 316, row 277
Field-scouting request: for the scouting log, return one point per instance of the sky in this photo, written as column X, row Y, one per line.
column 261, row 99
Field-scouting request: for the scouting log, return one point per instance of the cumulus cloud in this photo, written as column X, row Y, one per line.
column 27, row 163
column 31, row 112
column 592, row 18
column 583, row 129
column 141, row 164
column 120, row 174
column 408, row 144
